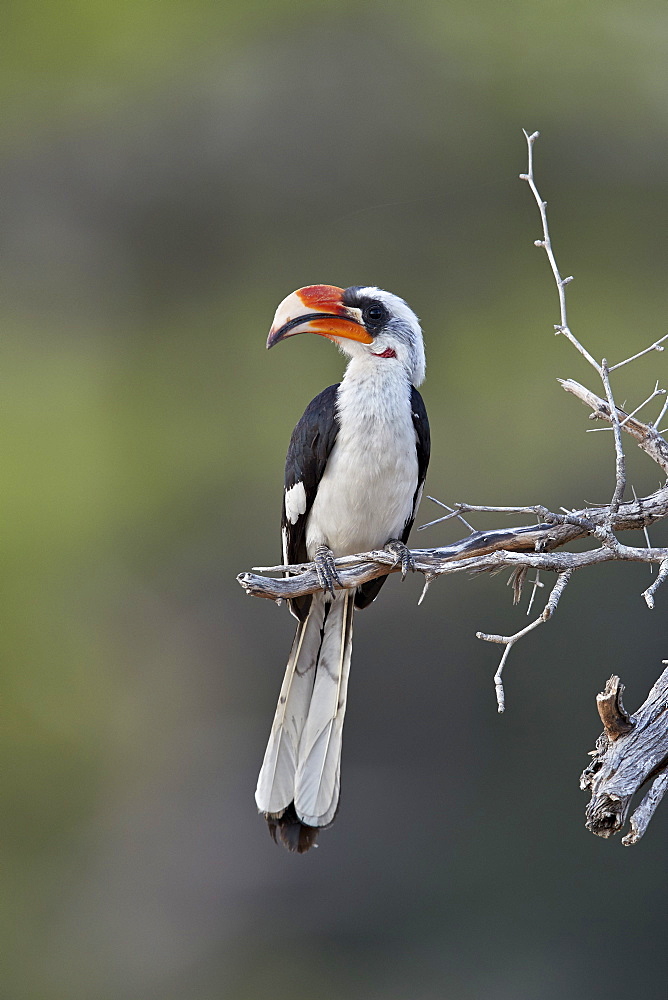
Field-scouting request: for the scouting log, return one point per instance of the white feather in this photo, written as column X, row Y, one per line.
column 295, row 502
column 302, row 761
column 402, row 333
column 318, row 778
column 276, row 782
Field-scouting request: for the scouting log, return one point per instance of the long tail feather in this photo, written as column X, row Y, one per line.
column 317, row 782
column 299, row 783
column 275, row 786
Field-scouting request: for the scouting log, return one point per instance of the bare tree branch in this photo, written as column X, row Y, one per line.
column 546, row 243
column 661, row 578
column 656, row 346
column 480, row 552
column 647, row 436
column 620, row 463
column 528, row 545
column 509, row 641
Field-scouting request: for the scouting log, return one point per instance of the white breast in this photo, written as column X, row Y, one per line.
column 366, row 494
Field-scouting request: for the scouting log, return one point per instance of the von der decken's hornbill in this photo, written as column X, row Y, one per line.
column 353, row 480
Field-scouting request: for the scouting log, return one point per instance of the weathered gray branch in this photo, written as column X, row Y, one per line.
column 509, row 640
column 531, row 546
column 616, row 720
column 647, row 436
column 631, row 751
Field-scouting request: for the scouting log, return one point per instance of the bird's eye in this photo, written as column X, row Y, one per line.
column 374, row 313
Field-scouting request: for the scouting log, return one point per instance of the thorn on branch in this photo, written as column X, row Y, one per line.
column 452, row 512
column 428, row 577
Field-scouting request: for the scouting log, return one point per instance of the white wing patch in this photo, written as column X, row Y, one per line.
column 295, row 502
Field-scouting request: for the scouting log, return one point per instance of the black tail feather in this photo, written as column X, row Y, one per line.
column 289, row 830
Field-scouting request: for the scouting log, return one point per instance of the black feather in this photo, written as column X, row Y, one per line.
column 291, row 832
column 310, row 445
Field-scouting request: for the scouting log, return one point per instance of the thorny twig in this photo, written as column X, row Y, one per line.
column 510, row 640
column 546, row 243
column 452, row 513
column 563, row 328
column 656, row 346
column 647, row 437
column 656, row 392
column 620, row 462
column 661, row 578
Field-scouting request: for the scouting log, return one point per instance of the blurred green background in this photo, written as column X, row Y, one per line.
column 169, row 173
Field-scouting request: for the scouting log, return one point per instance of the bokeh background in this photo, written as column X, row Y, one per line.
column 169, row 172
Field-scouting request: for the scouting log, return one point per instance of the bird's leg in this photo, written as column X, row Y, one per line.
column 326, row 570
column 402, row 554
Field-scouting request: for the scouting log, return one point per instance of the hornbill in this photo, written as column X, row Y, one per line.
column 354, row 474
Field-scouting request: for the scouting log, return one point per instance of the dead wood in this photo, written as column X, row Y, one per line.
column 631, row 752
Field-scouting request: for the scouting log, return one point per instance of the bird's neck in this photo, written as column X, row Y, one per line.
column 374, row 388
column 386, row 370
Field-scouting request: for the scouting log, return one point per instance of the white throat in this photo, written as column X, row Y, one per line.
column 366, row 494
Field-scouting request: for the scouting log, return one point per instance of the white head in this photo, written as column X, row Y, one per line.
column 362, row 320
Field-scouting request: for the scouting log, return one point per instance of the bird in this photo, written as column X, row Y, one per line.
column 354, row 476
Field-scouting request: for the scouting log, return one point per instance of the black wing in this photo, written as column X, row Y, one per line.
column 368, row 591
column 423, row 445
column 310, row 445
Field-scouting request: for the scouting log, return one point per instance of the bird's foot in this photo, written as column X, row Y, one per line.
column 326, row 570
column 402, row 554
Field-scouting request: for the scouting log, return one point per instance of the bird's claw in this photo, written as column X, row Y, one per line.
column 402, row 554
column 326, row 569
